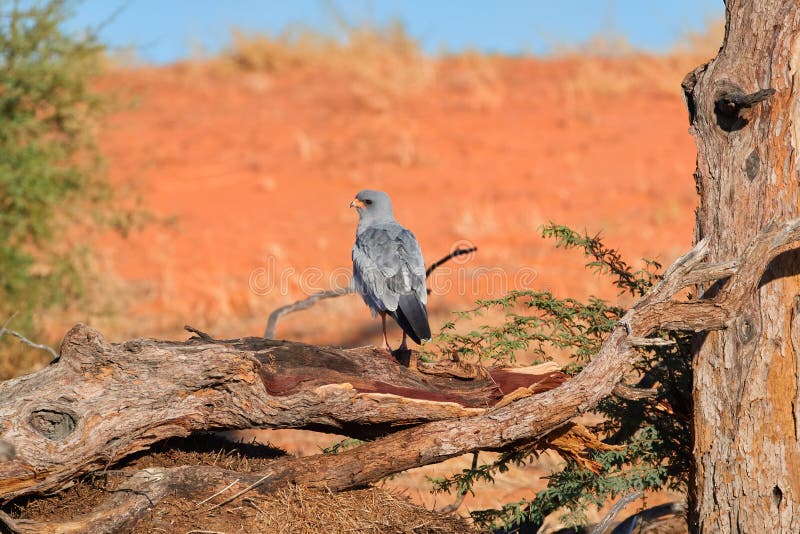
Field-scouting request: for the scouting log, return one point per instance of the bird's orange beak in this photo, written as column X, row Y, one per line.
column 356, row 203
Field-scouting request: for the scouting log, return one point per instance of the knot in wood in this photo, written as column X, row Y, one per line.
column 746, row 330
column 53, row 424
column 752, row 165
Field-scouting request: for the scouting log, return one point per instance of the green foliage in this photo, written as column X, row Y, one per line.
column 575, row 488
column 605, row 260
column 534, row 320
column 48, row 164
column 654, row 432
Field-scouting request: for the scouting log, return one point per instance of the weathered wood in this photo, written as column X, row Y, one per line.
column 744, row 109
column 102, row 401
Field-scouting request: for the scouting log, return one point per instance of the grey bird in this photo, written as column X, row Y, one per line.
column 388, row 269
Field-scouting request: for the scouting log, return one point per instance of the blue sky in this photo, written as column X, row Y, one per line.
column 162, row 31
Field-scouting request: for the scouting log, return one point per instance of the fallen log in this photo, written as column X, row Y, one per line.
column 100, row 401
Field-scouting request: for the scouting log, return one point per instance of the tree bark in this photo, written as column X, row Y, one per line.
column 743, row 109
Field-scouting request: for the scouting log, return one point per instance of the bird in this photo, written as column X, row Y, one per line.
column 388, row 268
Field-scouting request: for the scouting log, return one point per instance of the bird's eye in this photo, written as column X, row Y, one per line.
column 367, row 202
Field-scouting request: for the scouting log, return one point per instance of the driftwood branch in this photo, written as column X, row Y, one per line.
column 304, row 304
column 103, row 401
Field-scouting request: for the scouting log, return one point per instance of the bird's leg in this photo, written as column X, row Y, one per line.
column 385, row 339
column 403, row 345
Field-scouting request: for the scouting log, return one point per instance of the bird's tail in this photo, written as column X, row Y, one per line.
column 412, row 317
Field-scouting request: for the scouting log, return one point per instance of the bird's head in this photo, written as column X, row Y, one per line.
column 373, row 205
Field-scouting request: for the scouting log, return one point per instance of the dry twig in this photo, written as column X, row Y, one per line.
column 25, row 340
column 601, row 527
column 304, row 304
column 248, row 488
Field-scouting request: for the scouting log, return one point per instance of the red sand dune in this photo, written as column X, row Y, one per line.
column 240, row 167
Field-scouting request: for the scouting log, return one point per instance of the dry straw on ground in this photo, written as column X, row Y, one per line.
column 290, row 510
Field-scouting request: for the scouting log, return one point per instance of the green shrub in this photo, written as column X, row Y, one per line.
column 50, row 182
column 654, row 432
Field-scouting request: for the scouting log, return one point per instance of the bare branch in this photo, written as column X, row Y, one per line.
column 601, row 527
column 304, row 304
column 200, row 333
column 25, row 340
column 456, row 253
column 10, row 524
column 275, row 316
column 452, row 507
column 650, row 514
column 649, row 342
column 711, row 271
column 632, row 393
column 248, row 488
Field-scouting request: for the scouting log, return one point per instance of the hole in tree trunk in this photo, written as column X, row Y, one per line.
column 746, row 329
column 777, row 496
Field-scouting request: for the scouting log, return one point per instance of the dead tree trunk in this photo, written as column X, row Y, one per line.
column 744, row 111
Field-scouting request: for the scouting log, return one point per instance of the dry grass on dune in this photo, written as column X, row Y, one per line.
column 609, row 65
column 387, row 61
column 381, row 62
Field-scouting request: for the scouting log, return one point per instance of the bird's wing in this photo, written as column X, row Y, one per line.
column 387, row 263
